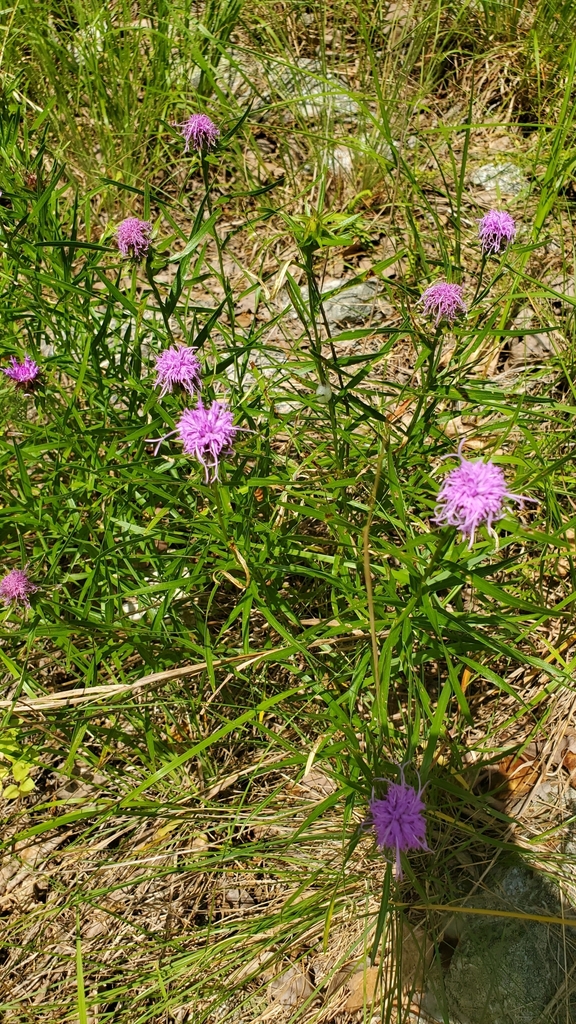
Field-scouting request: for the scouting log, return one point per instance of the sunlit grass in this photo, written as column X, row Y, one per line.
column 304, row 613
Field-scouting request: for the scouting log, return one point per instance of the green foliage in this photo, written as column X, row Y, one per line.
column 305, row 609
column 19, row 767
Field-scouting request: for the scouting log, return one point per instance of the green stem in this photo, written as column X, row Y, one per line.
column 158, row 297
column 428, row 382
column 316, row 345
column 223, row 278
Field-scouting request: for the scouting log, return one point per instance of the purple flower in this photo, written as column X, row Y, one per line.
column 472, row 494
column 178, row 365
column 16, row 586
column 398, row 820
column 22, row 373
column 207, row 434
column 443, row 300
column 133, row 237
column 496, row 230
column 199, row 132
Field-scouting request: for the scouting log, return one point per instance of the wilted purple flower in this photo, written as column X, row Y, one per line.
column 398, row 820
column 178, row 364
column 472, row 494
column 133, row 237
column 496, row 230
column 16, row 586
column 22, row 373
column 199, row 132
column 443, row 300
column 207, row 433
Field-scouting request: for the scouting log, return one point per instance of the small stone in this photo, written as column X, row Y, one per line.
column 564, row 286
column 287, row 408
column 350, row 307
column 318, row 93
column 280, row 383
column 506, row 178
column 239, row 898
column 341, row 161
column 290, row 988
column 505, row 970
column 131, row 608
column 532, row 347
column 388, row 150
column 454, row 427
column 305, row 89
column 353, row 306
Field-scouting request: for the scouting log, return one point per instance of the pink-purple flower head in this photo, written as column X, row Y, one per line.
column 178, row 364
column 24, row 373
column 16, row 588
column 472, row 494
column 398, row 820
column 496, row 231
column 134, row 237
column 207, row 433
column 199, row 132
column 443, row 301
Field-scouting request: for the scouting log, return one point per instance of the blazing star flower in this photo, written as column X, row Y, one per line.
column 16, row 586
column 199, row 132
column 443, row 300
column 22, row 373
column 178, row 365
column 398, row 820
column 133, row 237
column 472, row 494
column 207, row 434
column 496, row 231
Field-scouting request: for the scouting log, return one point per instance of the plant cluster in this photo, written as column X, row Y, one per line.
column 473, row 494
column 237, row 674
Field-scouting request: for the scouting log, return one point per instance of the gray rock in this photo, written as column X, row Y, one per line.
column 239, row 898
column 532, row 347
column 287, row 408
column 388, row 150
column 341, row 161
column 351, row 306
column 290, row 988
column 563, row 286
column 303, row 87
column 504, row 970
column 317, row 93
column 506, row 178
column 410, row 143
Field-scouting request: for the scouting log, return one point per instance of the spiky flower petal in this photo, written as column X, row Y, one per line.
column 398, row 820
column 443, row 301
column 472, row 494
column 22, row 373
column 16, row 586
column 133, row 237
column 199, row 132
column 496, row 231
column 178, row 364
column 207, row 433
